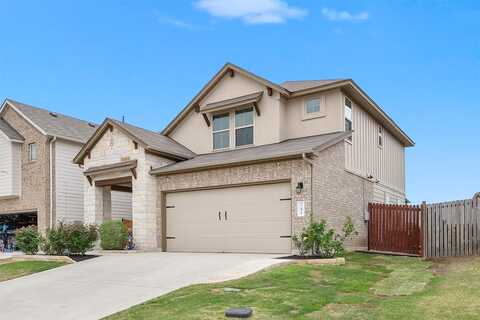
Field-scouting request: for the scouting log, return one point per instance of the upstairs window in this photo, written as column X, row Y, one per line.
column 348, row 116
column 312, row 106
column 221, row 131
column 32, row 152
column 380, row 136
column 244, row 127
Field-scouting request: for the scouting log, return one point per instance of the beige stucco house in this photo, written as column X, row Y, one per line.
column 246, row 163
column 39, row 183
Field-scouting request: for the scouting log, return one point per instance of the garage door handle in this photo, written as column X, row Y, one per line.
column 226, row 217
column 219, row 216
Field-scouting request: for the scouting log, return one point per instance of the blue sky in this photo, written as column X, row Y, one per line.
column 420, row 60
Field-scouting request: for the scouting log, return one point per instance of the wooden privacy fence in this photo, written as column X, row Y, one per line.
column 452, row 228
column 446, row 229
column 395, row 228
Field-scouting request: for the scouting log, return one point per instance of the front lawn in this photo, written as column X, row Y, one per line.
column 17, row 269
column 367, row 287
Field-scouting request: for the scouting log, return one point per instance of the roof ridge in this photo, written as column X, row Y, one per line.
column 50, row 111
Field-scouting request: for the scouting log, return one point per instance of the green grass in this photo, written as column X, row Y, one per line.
column 17, row 269
column 367, row 287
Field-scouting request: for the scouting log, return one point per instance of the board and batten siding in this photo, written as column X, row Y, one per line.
column 69, row 180
column 10, row 168
column 386, row 164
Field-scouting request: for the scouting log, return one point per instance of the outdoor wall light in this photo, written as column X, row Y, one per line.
column 299, row 187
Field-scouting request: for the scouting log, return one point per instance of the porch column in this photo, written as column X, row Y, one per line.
column 97, row 204
column 107, row 203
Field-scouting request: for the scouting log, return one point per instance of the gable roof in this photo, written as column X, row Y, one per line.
column 211, row 83
column 293, row 89
column 150, row 140
column 9, row 131
column 52, row 123
column 289, row 149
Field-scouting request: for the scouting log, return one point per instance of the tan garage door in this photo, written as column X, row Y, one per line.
column 238, row 219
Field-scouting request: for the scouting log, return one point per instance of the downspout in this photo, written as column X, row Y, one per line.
column 51, row 180
column 310, row 162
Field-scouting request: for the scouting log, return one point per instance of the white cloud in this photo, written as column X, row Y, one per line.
column 251, row 11
column 335, row 15
column 172, row 21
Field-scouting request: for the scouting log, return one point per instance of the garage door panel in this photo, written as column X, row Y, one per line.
column 252, row 219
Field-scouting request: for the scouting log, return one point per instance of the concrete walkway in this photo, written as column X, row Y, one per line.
column 102, row 286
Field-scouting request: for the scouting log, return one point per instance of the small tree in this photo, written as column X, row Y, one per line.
column 28, row 239
column 113, row 235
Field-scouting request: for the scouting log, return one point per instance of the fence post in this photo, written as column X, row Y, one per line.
column 423, row 229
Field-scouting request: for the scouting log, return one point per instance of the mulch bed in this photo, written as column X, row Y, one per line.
column 79, row 258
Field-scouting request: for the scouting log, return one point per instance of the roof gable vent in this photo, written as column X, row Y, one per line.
column 53, row 114
column 91, row 125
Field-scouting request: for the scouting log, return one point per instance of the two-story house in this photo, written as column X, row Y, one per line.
column 247, row 163
column 39, row 184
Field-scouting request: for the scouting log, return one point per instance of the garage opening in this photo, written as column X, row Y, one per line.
column 241, row 219
column 9, row 223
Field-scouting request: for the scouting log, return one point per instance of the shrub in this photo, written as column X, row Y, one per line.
column 113, row 235
column 55, row 241
column 317, row 240
column 70, row 239
column 80, row 238
column 28, row 240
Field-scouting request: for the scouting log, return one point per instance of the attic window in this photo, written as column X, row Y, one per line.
column 53, row 114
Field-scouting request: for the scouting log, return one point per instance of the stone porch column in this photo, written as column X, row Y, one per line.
column 98, row 204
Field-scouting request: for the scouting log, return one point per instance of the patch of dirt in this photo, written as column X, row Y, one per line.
column 442, row 266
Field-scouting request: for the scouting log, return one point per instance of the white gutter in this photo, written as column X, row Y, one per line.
column 51, row 180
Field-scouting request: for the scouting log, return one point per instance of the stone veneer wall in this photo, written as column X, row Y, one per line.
column 35, row 195
column 113, row 147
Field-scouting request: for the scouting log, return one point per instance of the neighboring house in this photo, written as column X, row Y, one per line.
column 247, row 162
column 39, row 184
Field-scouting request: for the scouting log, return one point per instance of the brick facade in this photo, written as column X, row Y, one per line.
column 35, row 195
column 336, row 193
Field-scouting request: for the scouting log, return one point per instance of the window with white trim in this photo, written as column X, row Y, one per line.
column 221, row 131
column 244, row 127
column 380, row 136
column 348, row 116
column 32, row 152
column 312, row 106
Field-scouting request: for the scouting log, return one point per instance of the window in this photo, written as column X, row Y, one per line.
column 348, row 116
column 312, row 106
column 244, row 127
column 221, row 131
column 32, row 152
column 380, row 136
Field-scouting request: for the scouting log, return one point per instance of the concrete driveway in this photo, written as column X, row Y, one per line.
column 99, row 287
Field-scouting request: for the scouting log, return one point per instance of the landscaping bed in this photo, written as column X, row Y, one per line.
column 366, row 287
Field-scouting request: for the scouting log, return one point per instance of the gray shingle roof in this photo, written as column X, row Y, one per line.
column 10, row 132
column 56, row 124
column 293, row 86
column 285, row 149
column 156, row 141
